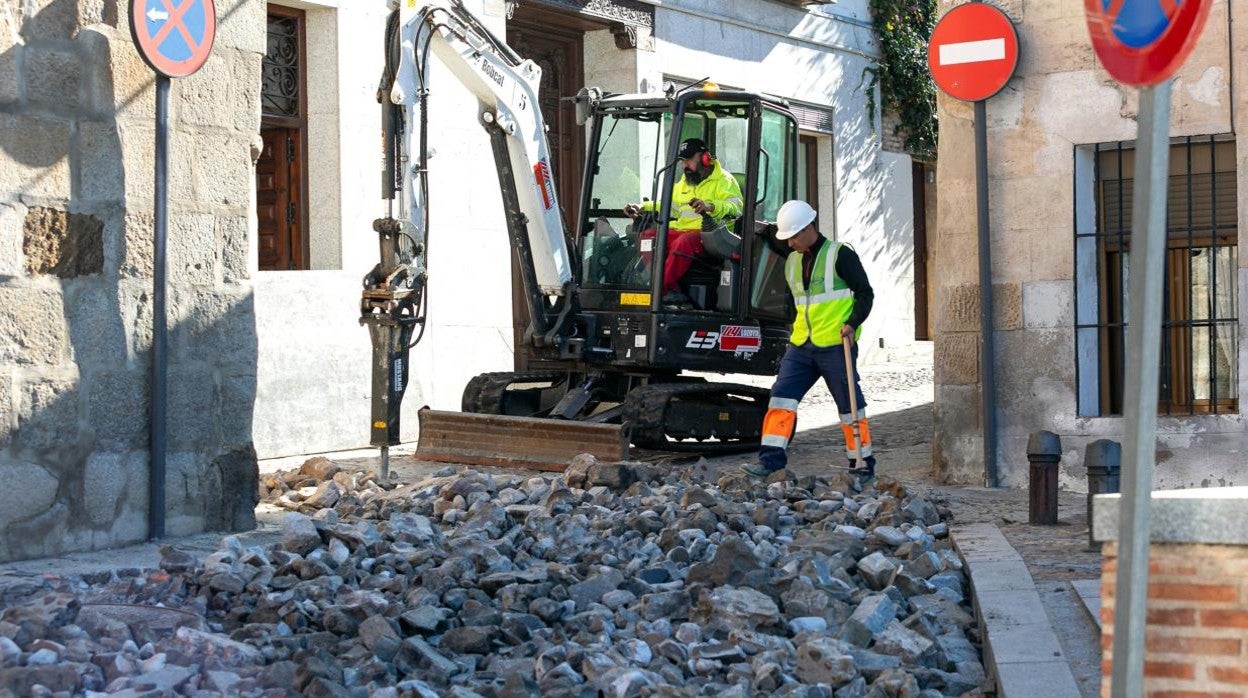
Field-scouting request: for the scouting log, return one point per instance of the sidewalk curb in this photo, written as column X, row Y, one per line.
column 1021, row 651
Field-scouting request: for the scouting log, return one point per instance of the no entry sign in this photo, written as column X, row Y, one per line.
column 973, row 51
column 1142, row 42
column 174, row 37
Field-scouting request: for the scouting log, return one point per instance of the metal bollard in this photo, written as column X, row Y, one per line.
column 1044, row 451
column 1103, row 459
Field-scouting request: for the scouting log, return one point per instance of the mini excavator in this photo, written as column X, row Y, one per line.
column 607, row 363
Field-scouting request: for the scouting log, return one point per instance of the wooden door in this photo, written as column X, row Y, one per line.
column 281, row 171
column 560, row 55
column 922, row 294
column 278, row 199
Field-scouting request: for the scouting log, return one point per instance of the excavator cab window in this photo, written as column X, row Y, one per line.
column 626, row 160
column 777, row 177
column 630, row 162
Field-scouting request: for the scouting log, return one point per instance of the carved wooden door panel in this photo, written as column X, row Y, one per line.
column 560, row 55
column 277, row 201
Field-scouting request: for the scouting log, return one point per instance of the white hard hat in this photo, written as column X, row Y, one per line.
column 792, row 218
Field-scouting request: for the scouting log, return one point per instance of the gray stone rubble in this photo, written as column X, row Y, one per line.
column 614, row 579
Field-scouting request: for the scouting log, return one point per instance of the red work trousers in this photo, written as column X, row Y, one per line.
column 682, row 247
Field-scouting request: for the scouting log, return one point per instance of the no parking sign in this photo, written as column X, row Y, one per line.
column 174, row 37
column 1143, row 42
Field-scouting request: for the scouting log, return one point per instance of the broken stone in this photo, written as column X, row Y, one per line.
column 748, row 608
column 469, row 639
column 733, row 560
column 877, row 571
column 869, row 619
column 509, row 586
column 824, row 660
column 593, row 589
column 299, row 534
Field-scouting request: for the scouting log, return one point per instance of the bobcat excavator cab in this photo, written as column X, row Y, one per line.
column 605, row 360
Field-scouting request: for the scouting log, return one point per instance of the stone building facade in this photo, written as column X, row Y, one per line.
column 274, row 184
column 76, row 199
column 1060, row 158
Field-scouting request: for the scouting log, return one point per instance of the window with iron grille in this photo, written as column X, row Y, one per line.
column 1200, row 317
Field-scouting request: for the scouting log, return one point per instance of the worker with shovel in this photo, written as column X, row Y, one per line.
column 833, row 298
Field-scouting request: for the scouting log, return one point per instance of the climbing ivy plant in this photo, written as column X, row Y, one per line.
column 906, row 88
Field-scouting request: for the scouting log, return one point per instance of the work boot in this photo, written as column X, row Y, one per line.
column 865, row 476
column 675, row 300
column 755, row 470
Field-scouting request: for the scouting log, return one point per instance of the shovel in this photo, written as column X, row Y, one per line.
column 853, row 403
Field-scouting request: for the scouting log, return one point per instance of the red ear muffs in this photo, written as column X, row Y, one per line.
column 706, row 159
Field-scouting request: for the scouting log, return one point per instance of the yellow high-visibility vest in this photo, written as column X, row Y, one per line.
column 719, row 187
column 824, row 307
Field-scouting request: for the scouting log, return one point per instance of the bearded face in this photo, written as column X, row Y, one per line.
column 694, row 171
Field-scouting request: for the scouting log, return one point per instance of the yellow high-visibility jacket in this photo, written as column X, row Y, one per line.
column 719, row 188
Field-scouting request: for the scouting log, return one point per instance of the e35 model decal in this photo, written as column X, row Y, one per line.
column 738, row 339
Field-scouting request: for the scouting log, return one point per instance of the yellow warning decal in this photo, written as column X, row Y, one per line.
column 634, row 299
column 724, row 417
column 379, row 425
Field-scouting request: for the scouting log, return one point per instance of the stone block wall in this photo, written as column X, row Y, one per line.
column 1059, row 99
column 76, row 224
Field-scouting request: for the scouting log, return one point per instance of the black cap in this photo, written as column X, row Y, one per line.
column 691, row 147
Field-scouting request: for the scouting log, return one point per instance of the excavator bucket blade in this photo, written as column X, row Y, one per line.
column 515, row 442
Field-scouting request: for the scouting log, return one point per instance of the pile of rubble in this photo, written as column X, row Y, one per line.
column 614, row 579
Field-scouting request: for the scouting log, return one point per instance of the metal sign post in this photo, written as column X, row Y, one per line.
column 1147, row 286
column 972, row 54
column 175, row 40
column 160, row 322
column 1138, row 47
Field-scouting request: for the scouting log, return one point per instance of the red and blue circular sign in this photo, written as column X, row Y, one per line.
column 174, row 37
column 1143, row 42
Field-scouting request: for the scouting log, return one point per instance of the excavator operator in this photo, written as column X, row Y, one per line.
column 706, row 189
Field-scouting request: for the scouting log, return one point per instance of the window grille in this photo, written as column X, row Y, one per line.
column 280, row 83
column 1200, row 328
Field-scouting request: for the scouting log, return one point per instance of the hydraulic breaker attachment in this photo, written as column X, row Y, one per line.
column 515, row 442
column 389, row 307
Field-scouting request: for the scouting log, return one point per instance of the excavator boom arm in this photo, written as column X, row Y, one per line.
column 506, row 88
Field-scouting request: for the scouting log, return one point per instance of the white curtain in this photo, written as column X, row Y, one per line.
column 1226, row 348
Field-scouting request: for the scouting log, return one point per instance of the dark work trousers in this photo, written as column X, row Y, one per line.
column 799, row 369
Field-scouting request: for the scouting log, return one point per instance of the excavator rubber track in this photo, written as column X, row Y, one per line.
column 488, row 393
column 696, row 417
column 515, row 442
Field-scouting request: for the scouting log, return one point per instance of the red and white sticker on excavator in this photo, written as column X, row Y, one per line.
column 738, row 339
column 545, row 183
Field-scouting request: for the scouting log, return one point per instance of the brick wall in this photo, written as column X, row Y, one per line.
column 1196, row 642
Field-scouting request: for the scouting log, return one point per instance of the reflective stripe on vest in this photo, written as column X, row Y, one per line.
column 826, row 305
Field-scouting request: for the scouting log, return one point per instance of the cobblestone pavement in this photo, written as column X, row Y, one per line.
column 899, row 394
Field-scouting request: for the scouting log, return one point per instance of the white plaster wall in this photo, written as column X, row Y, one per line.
column 313, row 372
column 817, row 57
column 889, row 259
column 324, row 140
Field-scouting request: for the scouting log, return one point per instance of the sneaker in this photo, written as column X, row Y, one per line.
column 755, row 470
